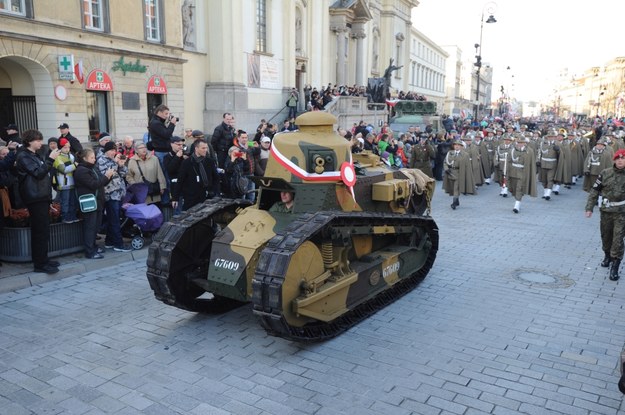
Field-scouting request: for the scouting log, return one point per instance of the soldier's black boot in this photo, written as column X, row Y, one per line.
column 616, row 263
column 606, row 260
column 455, row 203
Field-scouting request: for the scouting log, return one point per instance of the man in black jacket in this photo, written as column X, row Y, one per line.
column 197, row 179
column 36, row 193
column 75, row 145
column 173, row 162
column 223, row 138
column 161, row 128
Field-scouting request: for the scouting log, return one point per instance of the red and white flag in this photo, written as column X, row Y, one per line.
column 391, row 102
column 79, row 72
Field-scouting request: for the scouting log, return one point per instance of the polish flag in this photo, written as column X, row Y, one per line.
column 79, row 72
column 391, row 102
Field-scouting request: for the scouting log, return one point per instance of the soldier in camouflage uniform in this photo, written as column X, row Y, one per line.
column 522, row 171
column 610, row 184
column 458, row 175
column 547, row 159
column 597, row 160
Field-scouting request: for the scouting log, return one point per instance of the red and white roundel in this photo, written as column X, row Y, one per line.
column 348, row 174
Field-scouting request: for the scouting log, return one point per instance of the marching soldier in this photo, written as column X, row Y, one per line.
column 458, row 176
column 563, row 168
column 610, row 184
column 490, row 144
column 547, row 159
column 597, row 160
column 422, row 154
column 485, row 158
column 474, row 158
column 522, row 171
column 502, row 161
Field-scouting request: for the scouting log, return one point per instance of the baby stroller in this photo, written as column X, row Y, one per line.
column 139, row 219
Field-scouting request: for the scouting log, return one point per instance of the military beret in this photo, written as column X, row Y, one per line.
column 619, row 154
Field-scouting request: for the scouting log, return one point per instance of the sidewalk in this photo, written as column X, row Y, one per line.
column 16, row 276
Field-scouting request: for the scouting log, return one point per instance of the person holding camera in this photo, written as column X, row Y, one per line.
column 114, row 192
column 36, row 193
column 88, row 180
column 161, row 128
column 237, row 169
column 291, row 103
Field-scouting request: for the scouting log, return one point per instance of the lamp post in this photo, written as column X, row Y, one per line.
column 490, row 9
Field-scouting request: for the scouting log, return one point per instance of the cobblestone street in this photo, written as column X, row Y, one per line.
column 516, row 316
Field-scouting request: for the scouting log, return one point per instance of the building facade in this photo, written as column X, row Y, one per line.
column 245, row 55
column 427, row 74
column 97, row 65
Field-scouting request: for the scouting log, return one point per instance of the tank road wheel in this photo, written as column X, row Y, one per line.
column 306, row 264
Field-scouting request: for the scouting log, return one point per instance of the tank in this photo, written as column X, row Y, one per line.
column 358, row 237
column 415, row 113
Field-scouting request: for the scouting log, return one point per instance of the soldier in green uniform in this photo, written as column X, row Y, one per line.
column 597, row 160
column 285, row 205
column 522, row 172
column 501, row 161
column 610, row 184
column 474, row 157
column 563, row 174
column 422, row 155
column 458, row 174
column 547, row 159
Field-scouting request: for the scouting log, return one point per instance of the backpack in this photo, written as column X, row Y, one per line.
column 238, row 182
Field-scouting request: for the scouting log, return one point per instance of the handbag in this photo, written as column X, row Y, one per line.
column 154, row 188
column 239, row 182
column 88, row 202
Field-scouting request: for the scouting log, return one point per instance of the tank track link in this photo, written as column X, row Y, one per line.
column 177, row 255
column 274, row 261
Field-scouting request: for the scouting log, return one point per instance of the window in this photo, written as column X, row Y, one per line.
column 93, row 14
column 97, row 113
column 13, row 7
column 261, row 25
column 152, row 20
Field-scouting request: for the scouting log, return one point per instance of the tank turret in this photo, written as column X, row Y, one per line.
column 355, row 237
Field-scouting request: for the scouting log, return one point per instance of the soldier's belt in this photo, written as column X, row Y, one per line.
column 546, row 159
column 595, row 164
column 490, row 151
column 518, row 165
column 607, row 203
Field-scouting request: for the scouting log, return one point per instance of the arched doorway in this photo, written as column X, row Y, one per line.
column 26, row 96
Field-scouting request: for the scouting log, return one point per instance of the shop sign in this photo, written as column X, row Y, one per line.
column 120, row 65
column 157, row 85
column 66, row 67
column 98, row 80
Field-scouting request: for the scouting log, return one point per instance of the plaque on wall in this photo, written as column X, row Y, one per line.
column 131, row 101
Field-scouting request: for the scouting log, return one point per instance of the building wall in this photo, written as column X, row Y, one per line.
column 30, row 48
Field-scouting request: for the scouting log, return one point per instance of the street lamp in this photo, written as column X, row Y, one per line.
column 490, row 9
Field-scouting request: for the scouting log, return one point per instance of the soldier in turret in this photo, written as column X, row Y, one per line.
column 610, row 184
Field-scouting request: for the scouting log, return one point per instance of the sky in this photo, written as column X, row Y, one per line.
column 537, row 39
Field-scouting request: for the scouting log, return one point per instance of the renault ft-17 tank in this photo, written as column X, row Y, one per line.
column 358, row 237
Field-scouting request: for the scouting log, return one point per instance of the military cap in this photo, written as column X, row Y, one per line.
column 552, row 133
column 457, row 141
column 602, row 141
column 522, row 139
column 619, row 154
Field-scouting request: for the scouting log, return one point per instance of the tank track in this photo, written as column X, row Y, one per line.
column 169, row 274
column 275, row 258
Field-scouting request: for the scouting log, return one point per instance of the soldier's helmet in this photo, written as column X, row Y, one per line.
column 457, row 141
column 602, row 141
column 522, row 138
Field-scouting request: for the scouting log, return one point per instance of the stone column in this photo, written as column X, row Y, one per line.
column 359, row 34
column 340, row 52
